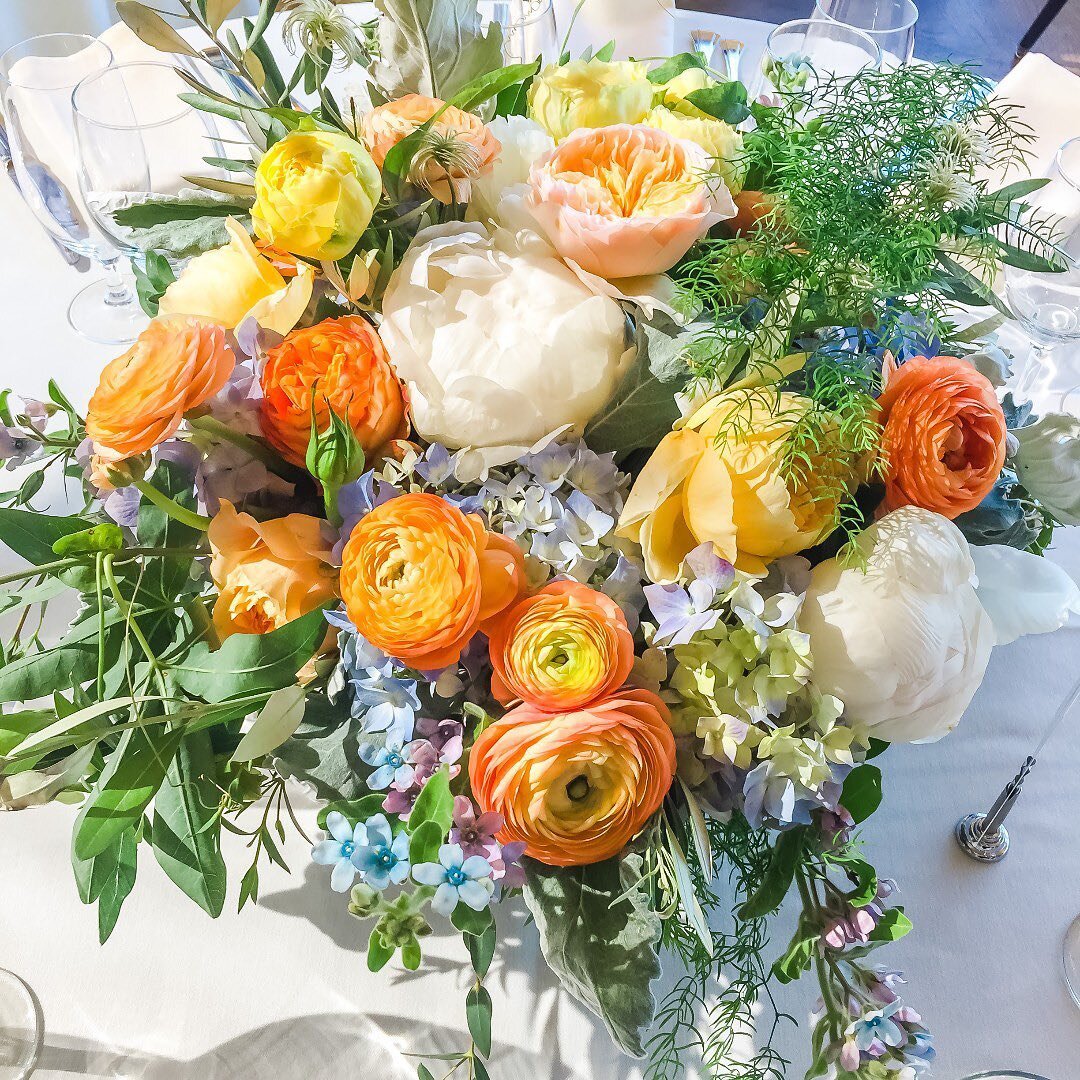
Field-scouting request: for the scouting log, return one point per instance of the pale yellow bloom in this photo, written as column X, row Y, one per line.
column 590, row 94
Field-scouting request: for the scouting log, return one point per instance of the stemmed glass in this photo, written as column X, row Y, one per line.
column 799, row 52
column 135, row 139
column 1048, row 305
column 891, row 23
column 22, row 1030
column 529, row 29
column 37, row 78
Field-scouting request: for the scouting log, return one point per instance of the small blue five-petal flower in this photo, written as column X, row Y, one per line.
column 459, row 880
column 338, row 850
column 392, row 763
column 381, row 857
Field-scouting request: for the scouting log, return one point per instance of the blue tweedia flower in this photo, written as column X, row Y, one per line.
column 384, row 700
column 458, row 880
column 880, row 1026
column 392, row 762
column 381, row 857
column 337, row 851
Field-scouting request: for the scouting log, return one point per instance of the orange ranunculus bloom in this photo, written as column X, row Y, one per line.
column 268, row 573
column 419, row 578
column 576, row 787
column 560, row 649
column 342, row 365
column 944, row 436
column 176, row 363
column 470, row 148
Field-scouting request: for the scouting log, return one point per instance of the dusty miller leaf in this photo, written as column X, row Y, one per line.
column 434, row 47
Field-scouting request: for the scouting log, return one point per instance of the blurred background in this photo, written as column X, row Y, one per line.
column 986, row 31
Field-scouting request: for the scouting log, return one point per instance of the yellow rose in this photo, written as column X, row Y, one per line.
column 231, row 283
column 719, row 477
column 720, row 141
column 590, row 94
column 315, row 192
column 268, row 573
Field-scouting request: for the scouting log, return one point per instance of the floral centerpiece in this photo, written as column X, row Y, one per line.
column 578, row 475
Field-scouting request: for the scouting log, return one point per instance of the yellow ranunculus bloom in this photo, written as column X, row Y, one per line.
column 590, row 94
column 720, row 141
column 315, row 192
column 233, row 282
column 719, row 478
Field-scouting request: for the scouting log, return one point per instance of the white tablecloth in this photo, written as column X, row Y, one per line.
column 282, row 990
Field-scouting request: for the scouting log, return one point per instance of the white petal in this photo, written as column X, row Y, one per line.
column 1023, row 593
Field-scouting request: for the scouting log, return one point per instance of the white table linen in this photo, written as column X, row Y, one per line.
column 282, row 990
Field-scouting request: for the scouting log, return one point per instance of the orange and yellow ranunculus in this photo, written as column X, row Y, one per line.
column 720, row 478
column 340, row 365
column 575, row 787
column 419, row 578
column 461, row 144
column 944, row 436
column 560, row 649
column 626, row 200
column 268, row 573
column 175, row 365
column 235, row 282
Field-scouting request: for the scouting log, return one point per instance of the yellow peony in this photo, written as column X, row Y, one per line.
column 720, row 141
column 315, row 192
column 590, row 94
column 234, row 282
column 719, row 477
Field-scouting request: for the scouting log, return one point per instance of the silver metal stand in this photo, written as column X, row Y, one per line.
column 984, row 837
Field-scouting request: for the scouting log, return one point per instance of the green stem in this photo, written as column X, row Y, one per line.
column 40, row 570
column 172, row 507
column 132, row 624
column 246, row 443
column 99, row 590
column 811, row 905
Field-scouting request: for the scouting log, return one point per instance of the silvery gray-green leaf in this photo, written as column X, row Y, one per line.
column 433, row 47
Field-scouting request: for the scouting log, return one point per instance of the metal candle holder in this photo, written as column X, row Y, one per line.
column 984, row 837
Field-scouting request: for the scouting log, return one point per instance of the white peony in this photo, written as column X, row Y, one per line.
column 1023, row 593
column 905, row 642
column 498, row 194
column 499, row 342
column 1048, row 464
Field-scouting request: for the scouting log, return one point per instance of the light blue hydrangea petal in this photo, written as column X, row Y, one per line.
column 445, row 899
column 327, row 852
column 342, row 876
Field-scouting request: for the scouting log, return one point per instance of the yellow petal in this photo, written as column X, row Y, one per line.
column 670, row 464
column 281, row 311
column 708, row 504
column 666, row 540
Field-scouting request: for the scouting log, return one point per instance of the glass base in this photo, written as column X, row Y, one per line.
column 997, row 1074
column 1071, row 958
column 95, row 317
column 22, row 1030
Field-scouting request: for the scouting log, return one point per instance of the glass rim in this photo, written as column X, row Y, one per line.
column 89, row 39
column 853, row 32
column 911, row 7
column 1071, row 173
column 134, row 125
column 534, row 15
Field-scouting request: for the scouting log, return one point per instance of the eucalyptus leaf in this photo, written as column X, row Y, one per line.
column 151, row 29
column 226, row 187
column 434, row 47
column 66, row 725
column 186, row 832
column 691, row 906
column 277, row 721
column 324, row 752
column 600, row 937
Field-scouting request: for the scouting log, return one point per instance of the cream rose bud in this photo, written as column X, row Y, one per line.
column 903, row 641
column 499, row 342
column 498, row 195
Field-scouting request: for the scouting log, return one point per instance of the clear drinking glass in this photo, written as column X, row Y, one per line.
column 1047, row 306
column 891, row 23
column 136, row 139
column 529, row 29
column 800, row 52
column 37, row 78
column 22, row 1029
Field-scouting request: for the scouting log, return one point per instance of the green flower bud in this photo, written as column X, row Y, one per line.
column 335, row 458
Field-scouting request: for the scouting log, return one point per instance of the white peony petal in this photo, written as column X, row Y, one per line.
column 1023, row 593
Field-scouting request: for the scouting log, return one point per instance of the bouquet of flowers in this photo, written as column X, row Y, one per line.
column 575, row 474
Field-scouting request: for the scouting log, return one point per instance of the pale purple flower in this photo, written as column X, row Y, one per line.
column 597, row 477
column 237, row 403
column 682, row 613
column 436, row 466
column 550, row 465
column 230, row 473
column 505, row 867
column 584, row 524
column 357, row 499
column 623, row 585
column 475, row 833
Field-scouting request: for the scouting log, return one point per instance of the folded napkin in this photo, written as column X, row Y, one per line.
column 639, row 28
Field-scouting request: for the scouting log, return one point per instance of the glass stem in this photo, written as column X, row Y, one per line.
column 119, row 295
column 1036, row 362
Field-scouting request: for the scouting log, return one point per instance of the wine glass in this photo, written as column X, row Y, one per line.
column 1047, row 306
column 529, row 30
column 135, row 140
column 891, row 23
column 799, row 52
column 37, row 78
column 22, row 1029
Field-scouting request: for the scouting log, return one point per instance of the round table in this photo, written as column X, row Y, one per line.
column 283, row 991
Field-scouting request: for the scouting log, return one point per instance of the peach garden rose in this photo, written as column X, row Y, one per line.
column 627, row 200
